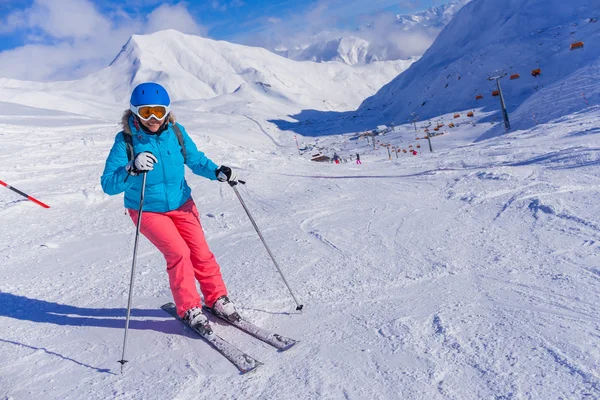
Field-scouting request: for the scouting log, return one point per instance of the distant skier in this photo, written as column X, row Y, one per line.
column 336, row 158
column 358, row 159
column 170, row 219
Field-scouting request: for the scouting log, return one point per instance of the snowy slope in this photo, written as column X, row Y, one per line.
column 484, row 39
column 192, row 67
column 468, row 273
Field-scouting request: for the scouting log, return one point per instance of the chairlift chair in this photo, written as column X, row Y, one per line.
column 576, row 45
column 479, row 97
column 514, row 76
column 536, row 72
column 495, row 93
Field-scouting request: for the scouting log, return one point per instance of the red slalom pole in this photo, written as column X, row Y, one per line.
column 36, row 201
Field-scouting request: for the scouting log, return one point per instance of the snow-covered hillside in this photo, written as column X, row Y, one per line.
column 195, row 68
column 487, row 38
column 467, row 273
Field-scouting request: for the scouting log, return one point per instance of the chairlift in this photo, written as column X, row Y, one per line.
column 576, row 45
column 495, row 93
column 479, row 97
column 456, row 115
column 470, row 114
column 514, row 76
column 536, row 72
column 451, row 125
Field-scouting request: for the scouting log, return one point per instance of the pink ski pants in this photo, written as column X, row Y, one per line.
column 179, row 236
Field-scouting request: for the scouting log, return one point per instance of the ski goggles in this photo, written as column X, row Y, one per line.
column 149, row 111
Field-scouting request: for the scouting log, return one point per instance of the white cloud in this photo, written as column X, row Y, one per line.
column 388, row 41
column 218, row 6
column 39, row 62
column 274, row 20
column 13, row 22
column 67, row 18
column 83, row 39
column 173, row 17
column 224, row 6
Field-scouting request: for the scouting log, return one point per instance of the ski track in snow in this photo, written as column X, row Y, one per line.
column 436, row 280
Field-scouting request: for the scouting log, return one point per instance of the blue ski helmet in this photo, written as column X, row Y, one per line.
column 149, row 93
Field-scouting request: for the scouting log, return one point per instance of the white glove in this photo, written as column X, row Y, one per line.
column 226, row 174
column 143, row 162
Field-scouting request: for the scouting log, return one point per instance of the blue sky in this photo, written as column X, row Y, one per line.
column 66, row 39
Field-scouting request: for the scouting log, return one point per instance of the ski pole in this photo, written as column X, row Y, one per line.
column 232, row 184
column 28, row 197
column 135, row 246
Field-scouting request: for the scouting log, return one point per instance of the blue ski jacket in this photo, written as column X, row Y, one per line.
column 166, row 187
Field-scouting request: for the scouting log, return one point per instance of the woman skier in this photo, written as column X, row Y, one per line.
column 160, row 147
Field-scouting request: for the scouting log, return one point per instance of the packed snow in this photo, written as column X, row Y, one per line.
column 468, row 272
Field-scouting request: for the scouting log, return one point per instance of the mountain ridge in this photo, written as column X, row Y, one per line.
column 196, row 68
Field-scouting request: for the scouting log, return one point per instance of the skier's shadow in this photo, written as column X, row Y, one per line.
column 53, row 353
column 36, row 310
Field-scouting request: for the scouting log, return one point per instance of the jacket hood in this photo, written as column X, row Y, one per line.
column 128, row 118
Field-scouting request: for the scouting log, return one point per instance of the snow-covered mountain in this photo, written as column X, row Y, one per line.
column 196, row 68
column 387, row 37
column 435, row 17
column 485, row 39
column 349, row 50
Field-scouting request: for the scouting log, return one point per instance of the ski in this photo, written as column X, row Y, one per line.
column 281, row 343
column 241, row 360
